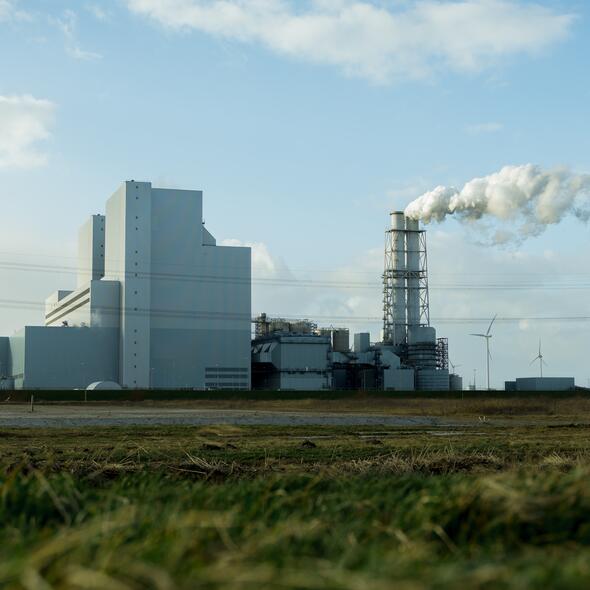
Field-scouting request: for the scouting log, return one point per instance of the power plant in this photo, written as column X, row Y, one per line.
column 159, row 305
column 298, row 355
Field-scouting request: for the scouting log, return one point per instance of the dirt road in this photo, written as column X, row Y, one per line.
column 62, row 415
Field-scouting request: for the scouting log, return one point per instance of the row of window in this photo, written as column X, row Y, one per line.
column 237, row 384
column 214, row 370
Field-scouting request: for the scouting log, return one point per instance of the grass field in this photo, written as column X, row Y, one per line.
column 483, row 506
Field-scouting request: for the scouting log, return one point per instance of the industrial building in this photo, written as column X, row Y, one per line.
column 541, row 384
column 299, row 355
column 157, row 304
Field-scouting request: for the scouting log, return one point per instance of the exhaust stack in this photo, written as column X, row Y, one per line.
column 405, row 280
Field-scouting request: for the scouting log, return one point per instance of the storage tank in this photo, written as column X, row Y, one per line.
column 340, row 340
column 432, row 380
column 455, row 382
column 422, row 348
column 362, row 342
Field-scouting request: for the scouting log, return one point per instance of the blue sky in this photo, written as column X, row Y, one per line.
column 305, row 123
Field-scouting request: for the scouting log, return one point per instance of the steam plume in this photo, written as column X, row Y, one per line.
column 527, row 196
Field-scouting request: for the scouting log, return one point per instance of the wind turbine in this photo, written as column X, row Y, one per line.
column 539, row 358
column 453, row 367
column 487, row 336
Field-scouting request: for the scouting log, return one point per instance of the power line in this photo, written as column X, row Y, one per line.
column 186, row 314
column 302, row 283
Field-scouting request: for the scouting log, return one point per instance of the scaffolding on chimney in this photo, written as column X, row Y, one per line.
column 405, row 279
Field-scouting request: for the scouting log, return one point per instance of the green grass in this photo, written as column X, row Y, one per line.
column 253, row 508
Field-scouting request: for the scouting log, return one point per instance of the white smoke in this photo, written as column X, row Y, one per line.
column 526, row 197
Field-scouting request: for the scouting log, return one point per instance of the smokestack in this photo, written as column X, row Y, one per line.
column 405, row 279
column 413, row 266
column 398, row 225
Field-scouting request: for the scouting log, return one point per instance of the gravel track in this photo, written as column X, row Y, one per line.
column 65, row 416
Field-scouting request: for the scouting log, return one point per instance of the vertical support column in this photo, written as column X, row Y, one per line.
column 128, row 260
column 398, row 247
column 413, row 267
column 91, row 250
column 137, row 289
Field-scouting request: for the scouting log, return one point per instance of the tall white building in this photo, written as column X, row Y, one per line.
column 157, row 304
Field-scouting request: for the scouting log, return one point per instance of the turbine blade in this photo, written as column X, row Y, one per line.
column 491, row 324
column 480, row 335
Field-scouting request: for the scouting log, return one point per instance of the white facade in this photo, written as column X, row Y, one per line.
column 91, row 244
column 153, row 281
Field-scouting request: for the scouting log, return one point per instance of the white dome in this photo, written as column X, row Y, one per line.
column 104, row 386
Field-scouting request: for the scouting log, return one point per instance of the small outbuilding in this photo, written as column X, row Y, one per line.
column 541, row 384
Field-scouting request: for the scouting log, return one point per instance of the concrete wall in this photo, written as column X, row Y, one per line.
column 91, row 250
column 185, row 306
column 398, row 380
column 4, row 357
column 64, row 358
column 17, row 358
column 128, row 256
column 545, row 384
column 200, row 298
column 105, row 299
column 395, row 378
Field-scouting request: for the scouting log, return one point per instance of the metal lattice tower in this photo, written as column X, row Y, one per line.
column 405, row 279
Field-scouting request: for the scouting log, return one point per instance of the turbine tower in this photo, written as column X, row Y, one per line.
column 539, row 358
column 487, row 337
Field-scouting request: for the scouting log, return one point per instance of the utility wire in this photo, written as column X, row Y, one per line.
column 210, row 315
column 191, row 276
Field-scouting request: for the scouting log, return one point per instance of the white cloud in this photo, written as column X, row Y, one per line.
column 480, row 128
column 98, row 12
column 370, row 40
column 264, row 266
column 68, row 25
column 526, row 199
column 25, row 121
column 10, row 12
